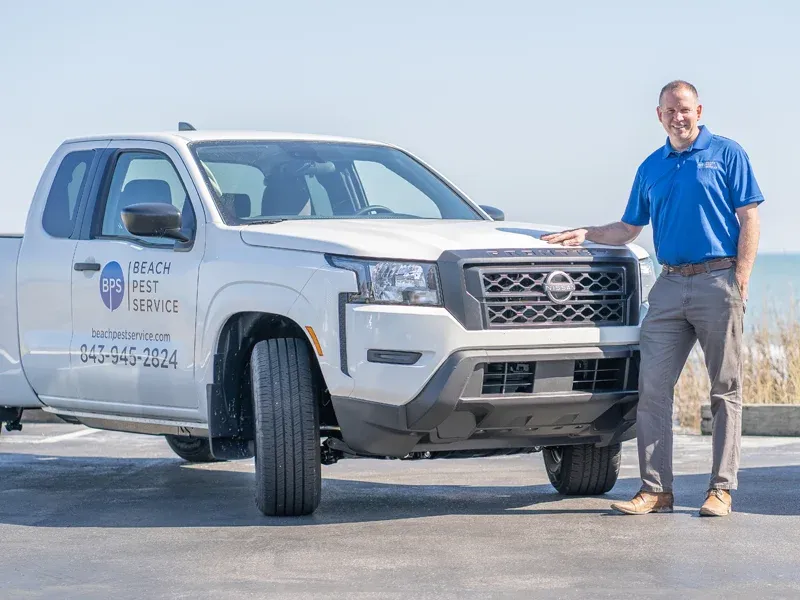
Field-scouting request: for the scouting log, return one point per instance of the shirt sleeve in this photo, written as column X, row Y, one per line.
column 742, row 185
column 637, row 212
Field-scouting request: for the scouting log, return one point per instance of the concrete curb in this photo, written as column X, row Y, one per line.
column 761, row 419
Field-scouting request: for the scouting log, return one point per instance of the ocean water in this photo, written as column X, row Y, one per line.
column 774, row 292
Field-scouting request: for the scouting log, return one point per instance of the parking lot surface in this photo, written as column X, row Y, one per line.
column 94, row 514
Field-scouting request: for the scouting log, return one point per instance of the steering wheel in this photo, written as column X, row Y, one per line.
column 373, row 207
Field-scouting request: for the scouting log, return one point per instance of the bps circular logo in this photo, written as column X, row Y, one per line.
column 112, row 285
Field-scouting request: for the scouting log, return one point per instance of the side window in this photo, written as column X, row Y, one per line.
column 61, row 207
column 144, row 177
column 386, row 188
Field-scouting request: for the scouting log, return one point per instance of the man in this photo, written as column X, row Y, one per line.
column 700, row 192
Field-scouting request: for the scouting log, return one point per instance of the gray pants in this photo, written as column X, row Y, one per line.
column 684, row 309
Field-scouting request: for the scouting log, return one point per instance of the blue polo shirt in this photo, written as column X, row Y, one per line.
column 692, row 197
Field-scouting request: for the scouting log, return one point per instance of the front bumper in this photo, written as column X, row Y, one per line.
column 456, row 409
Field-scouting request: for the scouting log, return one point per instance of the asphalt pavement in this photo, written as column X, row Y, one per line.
column 94, row 514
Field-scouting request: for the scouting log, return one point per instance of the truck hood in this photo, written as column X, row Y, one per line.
column 400, row 239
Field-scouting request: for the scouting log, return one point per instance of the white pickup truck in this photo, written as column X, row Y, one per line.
column 300, row 299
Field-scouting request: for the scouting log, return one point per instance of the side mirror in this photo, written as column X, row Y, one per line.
column 493, row 212
column 154, row 220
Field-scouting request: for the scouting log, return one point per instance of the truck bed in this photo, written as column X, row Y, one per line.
column 14, row 387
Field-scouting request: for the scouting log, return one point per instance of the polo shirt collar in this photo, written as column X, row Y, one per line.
column 701, row 143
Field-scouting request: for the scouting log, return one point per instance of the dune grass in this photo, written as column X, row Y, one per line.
column 771, row 368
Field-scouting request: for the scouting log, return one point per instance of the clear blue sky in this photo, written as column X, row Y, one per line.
column 543, row 109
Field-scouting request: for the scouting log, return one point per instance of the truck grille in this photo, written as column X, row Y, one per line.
column 558, row 294
column 600, row 375
column 508, row 378
column 592, row 375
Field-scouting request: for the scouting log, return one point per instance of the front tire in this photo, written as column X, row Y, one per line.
column 584, row 470
column 287, row 438
column 196, row 450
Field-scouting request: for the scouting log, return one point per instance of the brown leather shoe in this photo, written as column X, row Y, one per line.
column 646, row 502
column 718, row 504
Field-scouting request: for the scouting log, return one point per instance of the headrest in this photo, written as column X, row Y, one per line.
column 284, row 196
column 237, row 205
column 146, row 190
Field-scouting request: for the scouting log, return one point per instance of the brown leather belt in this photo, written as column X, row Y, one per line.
column 714, row 264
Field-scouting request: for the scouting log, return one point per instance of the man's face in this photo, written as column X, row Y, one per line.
column 679, row 113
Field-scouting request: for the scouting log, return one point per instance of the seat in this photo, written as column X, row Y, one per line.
column 138, row 191
column 236, row 206
column 145, row 190
column 285, row 196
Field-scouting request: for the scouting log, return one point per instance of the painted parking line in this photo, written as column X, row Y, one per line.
column 66, row 436
column 30, row 439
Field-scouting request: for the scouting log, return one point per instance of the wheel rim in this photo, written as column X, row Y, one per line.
column 556, row 460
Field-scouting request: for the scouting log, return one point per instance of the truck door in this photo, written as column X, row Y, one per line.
column 44, row 269
column 135, row 299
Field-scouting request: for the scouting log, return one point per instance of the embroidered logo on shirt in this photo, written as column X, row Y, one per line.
column 709, row 164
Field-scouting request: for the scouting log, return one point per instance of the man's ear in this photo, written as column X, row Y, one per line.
column 699, row 111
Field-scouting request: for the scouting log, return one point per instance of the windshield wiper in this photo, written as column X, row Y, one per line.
column 264, row 221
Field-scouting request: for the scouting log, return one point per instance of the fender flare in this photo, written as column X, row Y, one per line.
column 231, row 299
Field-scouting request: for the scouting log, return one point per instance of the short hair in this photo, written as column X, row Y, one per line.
column 678, row 84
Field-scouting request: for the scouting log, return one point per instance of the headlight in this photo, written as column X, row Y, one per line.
column 647, row 277
column 392, row 282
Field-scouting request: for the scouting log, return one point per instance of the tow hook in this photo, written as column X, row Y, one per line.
column 329, row 456
column 333, row 449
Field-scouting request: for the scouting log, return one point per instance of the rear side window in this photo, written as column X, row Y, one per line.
column 61, row 208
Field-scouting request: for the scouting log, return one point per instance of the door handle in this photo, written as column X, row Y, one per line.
column 87, row 266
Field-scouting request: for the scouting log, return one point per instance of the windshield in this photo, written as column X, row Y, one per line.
column 270, row 181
